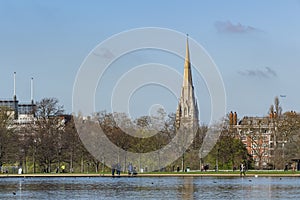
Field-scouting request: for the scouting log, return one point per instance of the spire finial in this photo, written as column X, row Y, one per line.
column 187, row 65
column 187, row 56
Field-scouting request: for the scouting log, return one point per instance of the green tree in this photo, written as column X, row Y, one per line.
column 229, row 150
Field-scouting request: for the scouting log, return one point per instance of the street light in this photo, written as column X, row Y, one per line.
column 34, row 152
column 217, row 166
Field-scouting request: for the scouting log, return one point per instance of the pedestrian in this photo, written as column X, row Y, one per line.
column 206, row 167
column 234, row 168
column 130, row 169
column 134, row 172
column 242, row 170
column 286, row 167
column 294, row 167
column 118, row 169
column 113, row 169
column 63, row 167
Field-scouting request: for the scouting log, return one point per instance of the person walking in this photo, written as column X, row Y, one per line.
column 113, row 170
column 118, row 169
column 130, row 169
column 242, row 170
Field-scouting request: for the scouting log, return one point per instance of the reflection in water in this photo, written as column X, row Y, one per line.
column 150, row 188
column 187, row 188
column 20, row 188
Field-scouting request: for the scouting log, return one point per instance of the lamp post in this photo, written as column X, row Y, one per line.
column 103, row 165
column 217, row 165
column 183, row 149
column 283, row 153
column 201, row 163
column 34, row 152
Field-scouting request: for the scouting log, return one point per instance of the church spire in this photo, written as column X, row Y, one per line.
column 187, row 110
column 187, row 75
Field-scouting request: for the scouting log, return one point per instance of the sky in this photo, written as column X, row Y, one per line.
column 255, row 45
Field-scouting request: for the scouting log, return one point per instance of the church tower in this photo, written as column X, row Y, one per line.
column 187, row 110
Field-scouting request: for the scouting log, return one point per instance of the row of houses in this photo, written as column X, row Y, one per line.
column 261, row 137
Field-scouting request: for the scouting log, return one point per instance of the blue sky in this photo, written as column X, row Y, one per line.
column 255, row 44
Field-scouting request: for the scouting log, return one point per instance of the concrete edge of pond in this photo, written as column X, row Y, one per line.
column 62, row 175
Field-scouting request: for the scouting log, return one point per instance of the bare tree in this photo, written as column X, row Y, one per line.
column 8, row 140
column 48, row 107
column 288, row 138
column 48, row 132
column 259, row 144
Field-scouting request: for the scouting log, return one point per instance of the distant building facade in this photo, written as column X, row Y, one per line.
column 22, row 113
column 259, row 135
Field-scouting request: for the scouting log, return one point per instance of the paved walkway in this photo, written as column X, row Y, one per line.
column 149, row 175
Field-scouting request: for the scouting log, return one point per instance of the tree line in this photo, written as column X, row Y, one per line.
column 51, row 143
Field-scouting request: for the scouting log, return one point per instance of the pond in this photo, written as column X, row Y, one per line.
column 150, row 188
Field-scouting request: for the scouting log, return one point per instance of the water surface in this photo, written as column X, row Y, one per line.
column 150, row 188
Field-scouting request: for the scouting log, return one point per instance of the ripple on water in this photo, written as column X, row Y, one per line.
column 150, row 188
